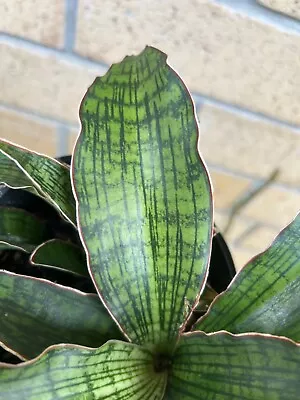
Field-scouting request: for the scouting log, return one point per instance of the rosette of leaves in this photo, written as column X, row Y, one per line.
column 143, row 208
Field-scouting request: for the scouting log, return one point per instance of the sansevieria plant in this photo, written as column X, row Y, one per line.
column 140, row 198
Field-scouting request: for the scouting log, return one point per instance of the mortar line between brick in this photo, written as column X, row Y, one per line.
column 252, row 253
column 198, row 98
column 62, row 139
column 258, row 12
column 249, row 220
column 254, row 179
column 250, row 229
column 201, row 100
column 235, row 173
column 37, row 116
column 71, row 8
column 30, row 45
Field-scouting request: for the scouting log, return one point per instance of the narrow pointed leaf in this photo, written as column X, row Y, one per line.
column 115, row 371
column 226, row 367
column 19, row 229
column 144, row 199
column 265, row 295
column 37, row 313
column 47, row 175
column 60, row 254
column 11, row 175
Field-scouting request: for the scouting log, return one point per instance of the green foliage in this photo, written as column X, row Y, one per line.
column 60, row 254
column 20, row 229
column 47, row 176
column 117, row 370
column 144, row 174
column 272, row 281
column 47, row 313
column 11, row 175
column 227, row 367
column 144, row 217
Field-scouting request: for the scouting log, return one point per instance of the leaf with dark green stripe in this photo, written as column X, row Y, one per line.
column 60, row 254
column 13, row 176
column 115, row 371
column 265, row 295
column 144, row 197
column 226, row 367
column 37, row 313
column 48, row 176
column 20, row 229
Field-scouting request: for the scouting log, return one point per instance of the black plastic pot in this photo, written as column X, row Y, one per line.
column 222, row 269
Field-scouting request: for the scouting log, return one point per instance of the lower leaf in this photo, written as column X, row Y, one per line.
column 48, row 176
column 12, row 176
column 115, row 371
column 20, row 230
column 222, row 366
column 264, row 296
column 60, row 254
column 37, row 313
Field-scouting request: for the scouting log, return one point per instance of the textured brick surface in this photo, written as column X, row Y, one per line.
column 27, row 131
column 238, row 229
column 289, row 7
column 252, row 244
column 40, row 21
column 259, row 239
column 241, row 256
column 274, row 206
column 42, row 82
column 227, row 188
column 243, row 143
column 218, row 51
column 72, row 135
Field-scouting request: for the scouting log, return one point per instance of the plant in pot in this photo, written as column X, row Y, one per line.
column 141, row 206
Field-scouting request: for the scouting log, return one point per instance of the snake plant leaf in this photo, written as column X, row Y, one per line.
column 20, row 230
column 36, row 313
column 264, row 296
column 11, row 175
column 47, row 175
column 144, row 196
column 115, row 371
column 61, row 254
column 227, row 367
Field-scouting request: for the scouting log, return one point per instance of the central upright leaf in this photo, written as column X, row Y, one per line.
column 144, row 198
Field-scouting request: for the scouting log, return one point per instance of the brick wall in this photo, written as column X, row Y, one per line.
column 240, row 58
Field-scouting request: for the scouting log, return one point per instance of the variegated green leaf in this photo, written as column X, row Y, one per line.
column 48, row 176
column 60, row 254
column 115, row 371
column 37, row 313
column 144, row 198
column 20, row 230
column 265, row 295
column 226, row 367
column 11, row 175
